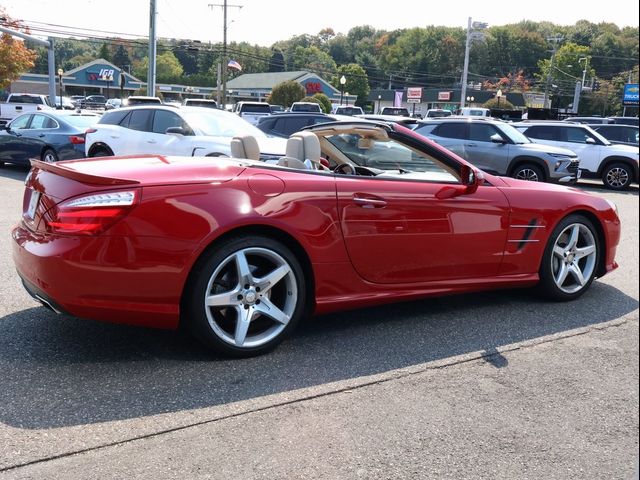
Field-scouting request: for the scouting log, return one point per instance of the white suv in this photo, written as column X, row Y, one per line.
column 164, row 130
column 616, row 165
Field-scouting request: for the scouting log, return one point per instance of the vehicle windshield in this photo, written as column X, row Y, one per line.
column 220, row 124
column 598, row 136
column 515, row 135
column 390, row 157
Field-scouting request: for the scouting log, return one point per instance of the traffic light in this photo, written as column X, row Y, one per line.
column 596, row 85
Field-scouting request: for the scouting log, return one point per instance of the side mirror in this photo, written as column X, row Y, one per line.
column 590, row 141
column 495, row 138
column 4, row 126
column 471, row 178
column 175, row 131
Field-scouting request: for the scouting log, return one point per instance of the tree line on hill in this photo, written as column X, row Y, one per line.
column 514, row 57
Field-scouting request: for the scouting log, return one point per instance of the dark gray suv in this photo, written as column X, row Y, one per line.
column 497, row 147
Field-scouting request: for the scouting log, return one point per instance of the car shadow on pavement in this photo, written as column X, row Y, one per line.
column 16, row 172
column 60, row 371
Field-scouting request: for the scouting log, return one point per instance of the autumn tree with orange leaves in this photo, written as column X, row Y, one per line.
column 512, row 82
column 15, row 58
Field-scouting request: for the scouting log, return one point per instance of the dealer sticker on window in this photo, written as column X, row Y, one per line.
column 33, row 204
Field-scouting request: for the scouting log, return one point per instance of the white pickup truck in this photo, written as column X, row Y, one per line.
column 252, row 111
column 18, row 103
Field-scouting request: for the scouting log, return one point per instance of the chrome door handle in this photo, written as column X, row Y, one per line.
column 369, row 202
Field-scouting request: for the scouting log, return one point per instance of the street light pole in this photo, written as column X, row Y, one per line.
column 465, row 71
column 556, row 40
column 343, row 80
column 60, row 72
column 379, row 103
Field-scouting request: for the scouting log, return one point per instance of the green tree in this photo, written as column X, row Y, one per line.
column 312, row 59
column 324, row 102
column 104, row 52
column 121, row 57
column 357, row 82
column 285, row 93
column 276, row 61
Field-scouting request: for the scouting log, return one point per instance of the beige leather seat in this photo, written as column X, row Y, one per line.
column 245, row 146
column 303, row 152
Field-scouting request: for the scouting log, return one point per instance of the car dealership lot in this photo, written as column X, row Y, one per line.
column 493, row 385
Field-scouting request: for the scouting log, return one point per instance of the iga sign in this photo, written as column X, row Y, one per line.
column 630, row 95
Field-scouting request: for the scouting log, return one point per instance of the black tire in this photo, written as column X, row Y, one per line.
column 617, row 176
column 562, row 252
column 528, row 171
column 49, row 156
column 101, row 152
column 270, row 310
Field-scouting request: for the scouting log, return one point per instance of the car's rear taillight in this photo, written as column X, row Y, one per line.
column 90, row 214
column 76, row 139
column 90, row 130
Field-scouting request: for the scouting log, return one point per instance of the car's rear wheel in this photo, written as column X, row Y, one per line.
column 529, row 172
column 570, row 259
column 101, row 152
column 617, row 176
column 245, row 296
column 49, row 156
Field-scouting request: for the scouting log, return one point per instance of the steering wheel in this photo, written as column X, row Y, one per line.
column 345, row 169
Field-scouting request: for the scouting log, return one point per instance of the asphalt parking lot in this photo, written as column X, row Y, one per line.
column 492, row 385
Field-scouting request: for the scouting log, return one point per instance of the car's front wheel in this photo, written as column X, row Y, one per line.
column 617, row 176
column 570, row 259
column 528, row 171
column 245, row 296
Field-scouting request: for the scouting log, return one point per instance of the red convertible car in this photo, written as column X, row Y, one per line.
column 355, row 214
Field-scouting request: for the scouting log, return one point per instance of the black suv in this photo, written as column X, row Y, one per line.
column 284, row 124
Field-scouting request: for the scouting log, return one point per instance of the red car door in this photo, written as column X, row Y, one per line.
column 398, row 230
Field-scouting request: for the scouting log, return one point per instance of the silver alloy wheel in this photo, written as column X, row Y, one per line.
column 617, row 177
column 527, row 174
column 251, row 297
column 574, row 258
column 49, row 157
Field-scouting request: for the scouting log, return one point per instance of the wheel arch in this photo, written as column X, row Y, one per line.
column 616, row 159
column 98, row 145
column 45, row 148
column 522, row 160
column 271, row 232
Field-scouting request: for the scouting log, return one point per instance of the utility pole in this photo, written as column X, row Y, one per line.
column 224, row 60
column 50, row 57
column 151, row 73
column 555, row 40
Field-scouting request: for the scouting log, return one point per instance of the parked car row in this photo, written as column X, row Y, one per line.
column 559, row 152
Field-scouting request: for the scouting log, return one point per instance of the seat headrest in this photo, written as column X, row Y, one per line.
column 304, row 145
column 245, row 146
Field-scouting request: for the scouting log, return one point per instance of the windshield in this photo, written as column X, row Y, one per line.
column 598, row 136
column 220, row 124
column 515, row 135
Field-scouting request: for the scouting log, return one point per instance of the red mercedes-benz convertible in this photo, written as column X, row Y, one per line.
column 355, row 214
